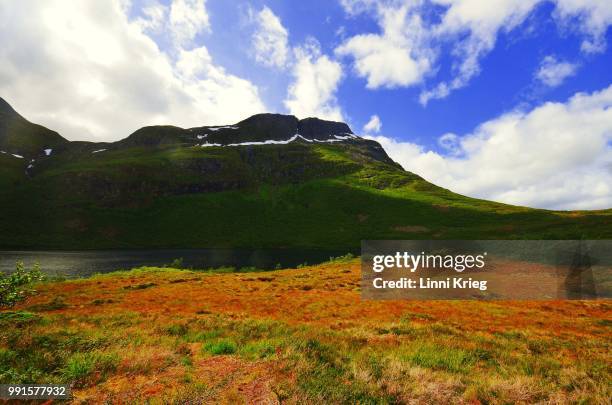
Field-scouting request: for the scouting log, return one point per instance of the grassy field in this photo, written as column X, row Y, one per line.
column 299, row 336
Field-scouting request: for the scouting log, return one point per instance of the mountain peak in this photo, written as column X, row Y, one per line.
column 19, row 136
column 261, row 128
column 316, row 127
column 6, row 109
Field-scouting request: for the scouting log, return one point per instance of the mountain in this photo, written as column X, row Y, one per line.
column 268, row 181
column 21, row 137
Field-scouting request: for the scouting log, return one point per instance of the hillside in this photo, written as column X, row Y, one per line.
column 268, row 181
column 20, row 137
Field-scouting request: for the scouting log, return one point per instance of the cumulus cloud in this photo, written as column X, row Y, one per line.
column 316, row 80
column 315, row 76
column 89, row 72
column 556, row 156
column 270, row 40
column 393, row 58
column 373, row 126
column 154, row 17
column 553, row 72
column 451, row 143
column 406, row 51
column 187, row 19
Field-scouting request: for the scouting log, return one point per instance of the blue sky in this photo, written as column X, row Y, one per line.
column 506, row 79
column 501, row 99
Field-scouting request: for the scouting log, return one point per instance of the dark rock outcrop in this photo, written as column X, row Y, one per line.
column 315, row 128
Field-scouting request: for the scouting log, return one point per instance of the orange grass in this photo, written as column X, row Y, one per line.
column 304, row 335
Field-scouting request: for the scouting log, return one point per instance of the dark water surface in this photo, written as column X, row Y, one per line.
column 86, row 263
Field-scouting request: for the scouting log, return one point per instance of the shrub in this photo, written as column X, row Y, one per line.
column 14, row 286
column 344, row 258
column 177, row 263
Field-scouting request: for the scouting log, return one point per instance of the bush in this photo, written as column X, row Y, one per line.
column 13, row 286
column 344, row 258
column 177, row 263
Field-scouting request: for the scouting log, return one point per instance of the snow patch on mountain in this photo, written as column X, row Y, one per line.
column 338, row 138
column 223, row 127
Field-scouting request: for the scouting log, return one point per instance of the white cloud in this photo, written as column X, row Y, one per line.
column 270, row 40
column 553, row 72
column 315, row 76
column 451, row 143
column 316, row 79
column 595, row 17
column 393, row 58
column 479, row 23
column 556, row 156
column 154, row 17
column 406, row 52
column 374, row 125
column 88, row 72
column 187, row 19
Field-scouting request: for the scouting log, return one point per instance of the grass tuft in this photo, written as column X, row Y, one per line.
column 220, row 347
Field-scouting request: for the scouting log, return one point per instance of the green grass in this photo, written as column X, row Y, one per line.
column 323, row 196
column 441, row 358
column 220, row 347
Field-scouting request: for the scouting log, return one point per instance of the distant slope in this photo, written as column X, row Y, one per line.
column 287, row 183
column 20, row 137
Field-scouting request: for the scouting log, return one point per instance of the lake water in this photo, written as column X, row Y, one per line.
column 86, row 263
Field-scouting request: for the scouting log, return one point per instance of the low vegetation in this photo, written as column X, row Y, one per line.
column 251, row 336
column 15, row 286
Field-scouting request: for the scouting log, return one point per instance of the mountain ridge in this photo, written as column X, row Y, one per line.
column 259, row 128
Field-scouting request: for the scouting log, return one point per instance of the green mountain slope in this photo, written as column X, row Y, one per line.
column 307, row 183
column 21, row 137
